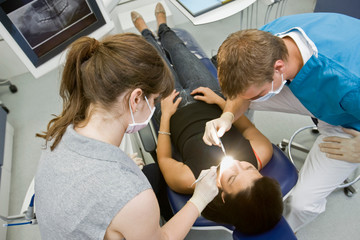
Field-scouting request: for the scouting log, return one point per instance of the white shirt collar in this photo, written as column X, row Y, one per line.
column 306, row 46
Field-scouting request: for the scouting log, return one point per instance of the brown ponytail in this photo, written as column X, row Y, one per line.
column 98, row 72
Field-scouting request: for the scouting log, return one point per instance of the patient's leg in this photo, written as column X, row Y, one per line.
column 148, row 35
column 141, row 26
column 190, row 70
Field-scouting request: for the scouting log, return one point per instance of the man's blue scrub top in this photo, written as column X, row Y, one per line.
column 328, row 85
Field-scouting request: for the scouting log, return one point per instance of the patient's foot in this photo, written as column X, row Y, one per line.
column 160, row 14
column 138, row 21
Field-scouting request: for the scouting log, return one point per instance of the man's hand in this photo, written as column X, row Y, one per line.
column 216, row 128
column 346, row 149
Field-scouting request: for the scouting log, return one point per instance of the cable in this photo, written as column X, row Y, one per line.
column 283, row 7
column 277, row 8
column 266, row 13
column 241, row 20
column 16, row 224
column 344, row 185
column 247, row 17
column 257, row 11
column 29, row 214
column 251, row 16
column 292, row 139
column 3, row 81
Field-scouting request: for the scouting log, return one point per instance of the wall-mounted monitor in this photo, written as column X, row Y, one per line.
column 40, row 30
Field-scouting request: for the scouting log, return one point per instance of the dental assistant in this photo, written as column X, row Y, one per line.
column 306, row 64
column 86, row 186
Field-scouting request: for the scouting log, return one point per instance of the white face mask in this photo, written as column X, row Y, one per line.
column 134, row 127
column 272, row 92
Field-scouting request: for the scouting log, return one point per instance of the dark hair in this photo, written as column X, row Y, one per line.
column 252, row 211
column 247, row 58
column 99, row 72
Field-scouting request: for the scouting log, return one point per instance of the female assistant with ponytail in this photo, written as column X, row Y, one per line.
column 86, row 187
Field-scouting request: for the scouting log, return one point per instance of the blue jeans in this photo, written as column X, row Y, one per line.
column 189, row 72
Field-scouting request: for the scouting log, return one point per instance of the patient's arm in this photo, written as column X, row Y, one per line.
column 261, row 145
column 209, row 96
column 177, row 175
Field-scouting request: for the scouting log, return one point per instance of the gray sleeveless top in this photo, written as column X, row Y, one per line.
column 82, row 185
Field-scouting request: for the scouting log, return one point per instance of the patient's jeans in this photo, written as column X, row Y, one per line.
column 189, row 72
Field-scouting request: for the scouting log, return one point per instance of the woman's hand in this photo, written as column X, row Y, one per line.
column 207, row 95
column 168, row 106
column 139, row 161
column 205, row 190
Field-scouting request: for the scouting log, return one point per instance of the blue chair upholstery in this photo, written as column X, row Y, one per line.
column 281, row 231
column 347, row 7
column 281, row 169
column 177, row 201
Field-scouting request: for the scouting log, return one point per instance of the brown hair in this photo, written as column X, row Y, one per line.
column 98, row 72
column 252, row 211
column 246, row 58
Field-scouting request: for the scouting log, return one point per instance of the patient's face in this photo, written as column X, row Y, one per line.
column 237, row 176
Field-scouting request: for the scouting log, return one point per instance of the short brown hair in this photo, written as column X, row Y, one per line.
column 97, row 72
column 246, row 58
column 254, row 210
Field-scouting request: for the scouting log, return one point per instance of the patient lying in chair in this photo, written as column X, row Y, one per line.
column 246, row 199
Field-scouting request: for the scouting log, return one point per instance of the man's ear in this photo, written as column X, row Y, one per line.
column 223, row 197
column 279, row 66
column 135, row 98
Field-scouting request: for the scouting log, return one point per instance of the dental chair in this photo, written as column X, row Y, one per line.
column 27, row 214
column 279, row 168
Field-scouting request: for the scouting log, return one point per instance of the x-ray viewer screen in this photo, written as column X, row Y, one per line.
column 43, row 28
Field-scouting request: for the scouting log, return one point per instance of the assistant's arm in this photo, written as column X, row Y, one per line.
column 139, row 218
column 177, row 175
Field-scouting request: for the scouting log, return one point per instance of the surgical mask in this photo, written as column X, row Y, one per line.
column 134, row 127
column 272, row 92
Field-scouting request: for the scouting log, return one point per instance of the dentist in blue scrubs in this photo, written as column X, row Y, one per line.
column 307, row 64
